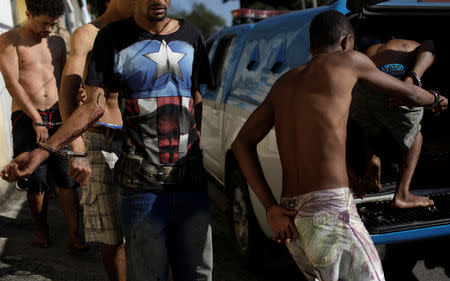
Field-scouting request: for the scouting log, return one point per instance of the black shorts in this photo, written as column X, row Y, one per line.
column 55, row 168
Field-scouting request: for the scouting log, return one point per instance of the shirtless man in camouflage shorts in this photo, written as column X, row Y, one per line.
column 406, row 60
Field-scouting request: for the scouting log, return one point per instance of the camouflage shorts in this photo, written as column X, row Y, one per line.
column 371, row 111
column 333, row 242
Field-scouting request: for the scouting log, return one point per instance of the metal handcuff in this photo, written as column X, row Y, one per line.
column 49, row 124
column 418, row 82
column 60, row 152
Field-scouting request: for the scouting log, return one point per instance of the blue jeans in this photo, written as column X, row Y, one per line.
column 167, row 228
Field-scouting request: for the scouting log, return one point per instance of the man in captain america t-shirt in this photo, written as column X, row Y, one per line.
column 156, row 64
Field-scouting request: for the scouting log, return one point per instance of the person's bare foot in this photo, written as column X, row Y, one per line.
column 77, row 247
column 411, row 201
column 39, row 243
column 357, row 187
column 372, row 177
column 41, row 239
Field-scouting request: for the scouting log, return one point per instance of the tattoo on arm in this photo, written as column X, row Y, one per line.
column 80, row 161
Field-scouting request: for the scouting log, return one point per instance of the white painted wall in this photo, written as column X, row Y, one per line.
column 6, row 13
column 6, row 22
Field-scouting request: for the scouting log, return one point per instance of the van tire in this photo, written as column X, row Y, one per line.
column 247, row 234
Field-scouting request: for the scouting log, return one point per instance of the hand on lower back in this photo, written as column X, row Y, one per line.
column 281, row 221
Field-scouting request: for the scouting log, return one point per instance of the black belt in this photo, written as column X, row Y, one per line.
column 134, row 172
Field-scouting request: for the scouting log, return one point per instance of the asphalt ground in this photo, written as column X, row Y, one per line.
column 421, row 260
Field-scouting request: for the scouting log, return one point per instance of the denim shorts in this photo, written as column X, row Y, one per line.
column 167, row 228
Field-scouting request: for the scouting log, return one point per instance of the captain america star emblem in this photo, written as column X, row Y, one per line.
column 167, row 61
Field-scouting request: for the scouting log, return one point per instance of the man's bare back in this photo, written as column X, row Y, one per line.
column 310, row 123
column 35, row 64
column 309, row 108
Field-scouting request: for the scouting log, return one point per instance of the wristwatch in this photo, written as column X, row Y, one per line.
column 437, row 99
column 415, row 78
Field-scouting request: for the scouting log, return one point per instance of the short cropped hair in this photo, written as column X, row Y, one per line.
column 51, row 8
column 327, row 28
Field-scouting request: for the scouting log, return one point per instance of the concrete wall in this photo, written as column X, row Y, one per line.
column 6, row 23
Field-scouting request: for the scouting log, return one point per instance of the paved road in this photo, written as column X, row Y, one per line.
column 19, row 261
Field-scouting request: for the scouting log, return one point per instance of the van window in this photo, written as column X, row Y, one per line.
column 218, row 60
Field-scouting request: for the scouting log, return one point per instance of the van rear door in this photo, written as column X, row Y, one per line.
column 414, row 20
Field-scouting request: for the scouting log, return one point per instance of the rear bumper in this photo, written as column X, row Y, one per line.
column 387, row 225
column 409, row 235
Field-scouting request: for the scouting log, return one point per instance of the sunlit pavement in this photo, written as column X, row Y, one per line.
column 20, row 261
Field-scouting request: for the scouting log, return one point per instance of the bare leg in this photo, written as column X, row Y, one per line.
column 355, row 182
column 68, row 200
column 38, row 206
column 372, row 177
column 115, row 261
column 403, row 198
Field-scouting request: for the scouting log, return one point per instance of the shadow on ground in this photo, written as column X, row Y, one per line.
column 20, row 261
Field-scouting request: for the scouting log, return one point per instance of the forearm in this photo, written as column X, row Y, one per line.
column 68, row 103
column 68, row 95
column 78, row 122
column 21, row 98
column 420, row 97
column 248, row 161
column 78, row 145
column 424, row 57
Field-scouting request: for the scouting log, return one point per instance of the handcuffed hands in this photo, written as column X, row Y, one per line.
column 441, row 106
column 280, row 220
column 80, row 170
column 41, row 133
column 23, row 165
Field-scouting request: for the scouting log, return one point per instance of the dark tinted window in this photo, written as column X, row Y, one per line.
column 209, row 44
column 218, row 60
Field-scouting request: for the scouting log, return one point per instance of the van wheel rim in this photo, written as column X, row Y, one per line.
column 240, row 220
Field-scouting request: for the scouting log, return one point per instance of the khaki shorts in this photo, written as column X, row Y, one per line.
column 333, row 243
column 100, row 199
column 371, row 111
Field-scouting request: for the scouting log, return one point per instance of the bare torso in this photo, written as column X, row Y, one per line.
column 40, row 68
column 311, row 105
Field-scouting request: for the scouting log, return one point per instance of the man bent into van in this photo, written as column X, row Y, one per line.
column 309, row 107
column 406, row 60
